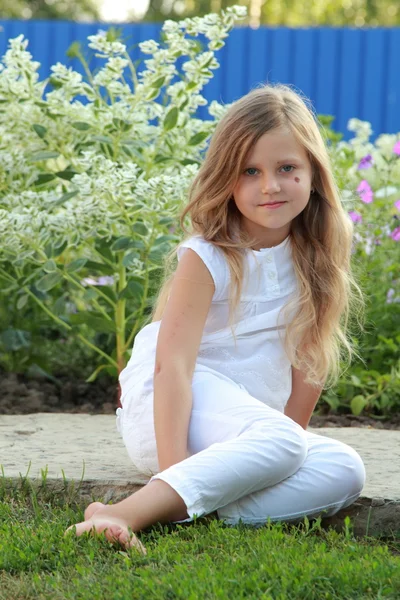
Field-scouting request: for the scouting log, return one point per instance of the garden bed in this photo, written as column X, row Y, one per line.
column 22, row 395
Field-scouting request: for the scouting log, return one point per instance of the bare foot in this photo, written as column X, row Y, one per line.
column 92, row 508
column 98, row 519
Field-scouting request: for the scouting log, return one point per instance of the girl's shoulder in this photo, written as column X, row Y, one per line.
column 214, row 259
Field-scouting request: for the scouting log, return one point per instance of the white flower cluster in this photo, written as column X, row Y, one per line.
column 75, row 172
column 105, row 47
column 18, row 73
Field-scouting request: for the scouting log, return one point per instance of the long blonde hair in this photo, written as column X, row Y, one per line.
column 320, row 236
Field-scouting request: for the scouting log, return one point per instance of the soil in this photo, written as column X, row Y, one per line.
column 21, row 395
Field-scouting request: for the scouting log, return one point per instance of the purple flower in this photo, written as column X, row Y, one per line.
column 389, row 296
column 355, row 216
column 365, row 192
column 88, row 281
column 103, row 280
column 397, row 204
column 366, row 162
column 396, row 148
column 395, row 235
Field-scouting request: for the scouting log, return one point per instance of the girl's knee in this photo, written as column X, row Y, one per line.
column 299, row 442
column 291, row 438
column 355, row 472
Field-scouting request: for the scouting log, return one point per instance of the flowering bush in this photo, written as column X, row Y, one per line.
column 90, row 192
column 369, row 178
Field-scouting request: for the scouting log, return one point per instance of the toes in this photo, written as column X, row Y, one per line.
column 80, row 528
column 92, row 508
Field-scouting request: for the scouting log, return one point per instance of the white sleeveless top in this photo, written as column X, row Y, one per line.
column 258, row 362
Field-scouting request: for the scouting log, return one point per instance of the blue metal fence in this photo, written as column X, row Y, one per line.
column 345, row 72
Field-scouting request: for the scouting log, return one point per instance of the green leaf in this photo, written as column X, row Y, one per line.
column 49, row 281
column 171, row 118
column 189, row 161
column 74, row 50
column 198, row 138
column 98, row 267
column 167, row 221
column 128, row 259
column 140, row 228
column 122, row 243
column 356, row 381
column 81, row 125
column 133, row 289
column 164, row 238
column 21, row 302
column 157, row 254
column 40, row 130
column 158, row 83
column 102, row 138
column 153, row 94
column 44, row 178
column 45, row 155
column 54, row 250
column 161, row 158
column 94, row 320
column 191, row 85
column 67, row 174
column 65, row 197
column 358, row 404
column 50, row 266
column 76, row 265
column 15, row 339
column 103, row 248
column 107, row 290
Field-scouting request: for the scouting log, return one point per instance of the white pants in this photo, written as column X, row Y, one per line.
column 247, row 460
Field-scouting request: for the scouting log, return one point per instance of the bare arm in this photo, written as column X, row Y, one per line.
column 303, row 399
column 178, row 342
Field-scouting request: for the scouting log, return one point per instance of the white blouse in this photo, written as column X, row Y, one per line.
column 257, row 361
column 269, row 283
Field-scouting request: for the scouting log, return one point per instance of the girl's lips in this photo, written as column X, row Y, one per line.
column 275, row 205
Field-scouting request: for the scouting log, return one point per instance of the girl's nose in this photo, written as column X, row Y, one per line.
column 270, row 187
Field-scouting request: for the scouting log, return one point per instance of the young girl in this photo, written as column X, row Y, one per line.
column 221, row 385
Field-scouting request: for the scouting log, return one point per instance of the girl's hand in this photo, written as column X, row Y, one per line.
column 97, row 519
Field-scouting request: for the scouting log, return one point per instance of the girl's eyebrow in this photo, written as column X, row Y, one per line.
column 290, row 159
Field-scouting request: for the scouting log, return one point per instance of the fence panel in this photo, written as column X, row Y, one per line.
column 346, row 72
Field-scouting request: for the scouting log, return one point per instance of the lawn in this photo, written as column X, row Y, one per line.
column 204, row 560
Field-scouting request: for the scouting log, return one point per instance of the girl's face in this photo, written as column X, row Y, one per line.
column 277, row 170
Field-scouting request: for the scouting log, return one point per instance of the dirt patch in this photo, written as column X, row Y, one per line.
column 20, row 395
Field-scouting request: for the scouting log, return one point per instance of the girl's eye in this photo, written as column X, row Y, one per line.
column 252, row 170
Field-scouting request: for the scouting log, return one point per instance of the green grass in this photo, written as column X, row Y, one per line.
column 201, row 560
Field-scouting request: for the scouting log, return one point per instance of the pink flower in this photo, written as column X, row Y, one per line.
column 355, row 216
column 396, row 148
column 366, row 162
column 397, row 204
column 395, row 235
column 365, row 192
